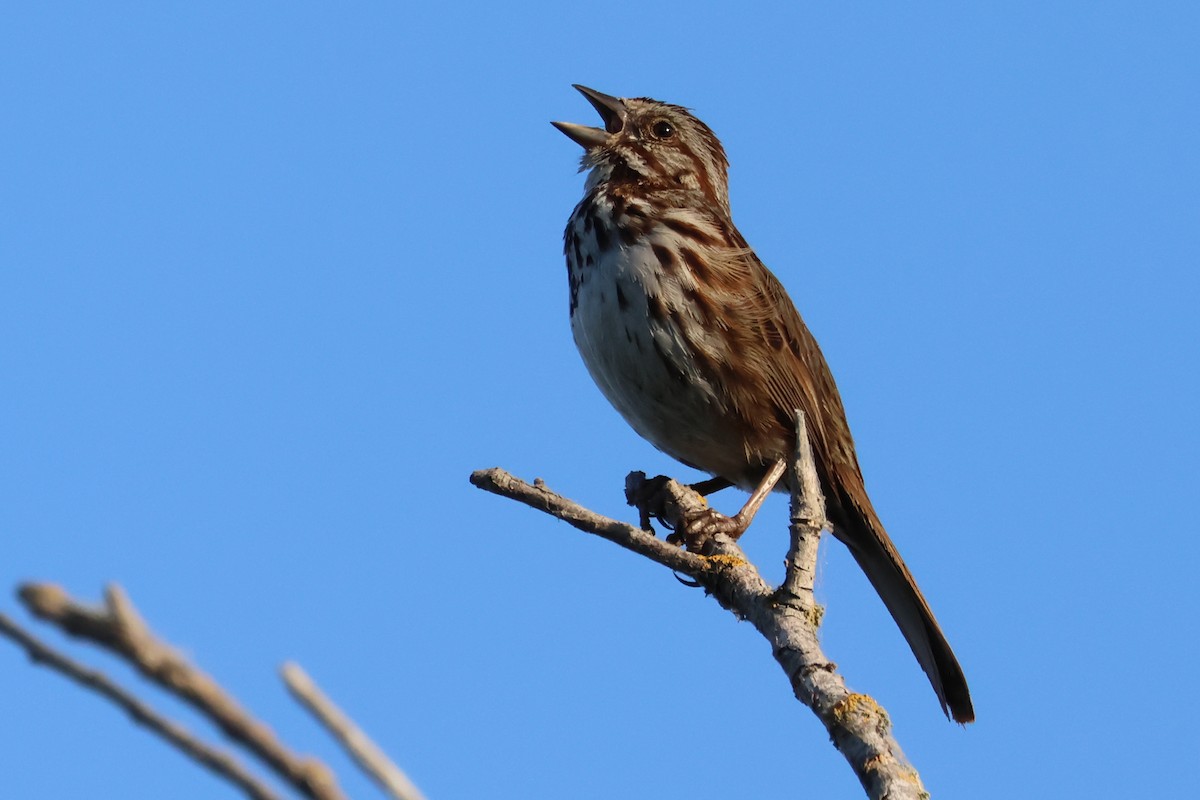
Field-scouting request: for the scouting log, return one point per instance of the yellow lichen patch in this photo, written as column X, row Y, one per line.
column 818, row 614
column 729, row 561
column 813, row 614
column 855, row 704
column 886, row 762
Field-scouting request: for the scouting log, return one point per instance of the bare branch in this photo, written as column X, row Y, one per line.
column 220, row 762
column 787, row 618
column 118, row 627
column 537, row 495
column 365, row 752
column 807, row 522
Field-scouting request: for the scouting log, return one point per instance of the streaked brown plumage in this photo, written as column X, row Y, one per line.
column 699, row 347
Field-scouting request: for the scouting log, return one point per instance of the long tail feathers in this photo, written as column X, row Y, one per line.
column 877, row 556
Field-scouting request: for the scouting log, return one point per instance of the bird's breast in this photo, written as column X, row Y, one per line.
column 631, row 321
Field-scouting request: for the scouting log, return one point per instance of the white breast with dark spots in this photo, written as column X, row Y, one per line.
column 626, row 312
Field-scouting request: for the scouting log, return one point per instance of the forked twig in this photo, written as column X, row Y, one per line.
column 787, row 617
column 117, row 626
column 220, row 762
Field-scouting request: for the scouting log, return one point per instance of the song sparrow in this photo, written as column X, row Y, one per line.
column 700, row 349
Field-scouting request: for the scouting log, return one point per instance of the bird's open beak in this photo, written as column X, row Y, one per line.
column 612, row 111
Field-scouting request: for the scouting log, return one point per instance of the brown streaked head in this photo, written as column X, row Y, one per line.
column 659, row 146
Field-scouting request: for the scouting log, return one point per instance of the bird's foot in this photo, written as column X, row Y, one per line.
column 645, row 494
column 697, row 528
column 684, row 512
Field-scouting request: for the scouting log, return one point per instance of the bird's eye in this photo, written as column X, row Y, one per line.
column 662, row 129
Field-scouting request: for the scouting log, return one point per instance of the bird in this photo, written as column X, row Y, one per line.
column 702, row 351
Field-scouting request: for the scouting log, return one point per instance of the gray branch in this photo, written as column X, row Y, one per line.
column 220, row 762
column 807, row 522
column 365, row 752
column 117, row 626
column 788, row 617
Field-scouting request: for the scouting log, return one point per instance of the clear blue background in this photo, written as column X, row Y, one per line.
column 274, row 279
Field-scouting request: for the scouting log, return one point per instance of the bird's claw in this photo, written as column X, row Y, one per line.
column 645, row 494
column 698, row 528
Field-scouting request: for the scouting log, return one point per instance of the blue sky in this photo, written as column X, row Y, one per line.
column 275, row 279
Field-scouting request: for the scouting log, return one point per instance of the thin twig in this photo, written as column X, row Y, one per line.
column 537, row 495
column 220, row 762
column 119, row 627
column 807, row 522
column 858, row 726
column 365, row 752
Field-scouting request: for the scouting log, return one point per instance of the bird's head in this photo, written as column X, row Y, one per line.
column 656, row 145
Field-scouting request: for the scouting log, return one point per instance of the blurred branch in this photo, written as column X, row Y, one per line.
column 222, row 763
column 788, row 617
column 365, row 752
column 117, row 626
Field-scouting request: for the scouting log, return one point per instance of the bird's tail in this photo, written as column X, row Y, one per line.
column 862, row 532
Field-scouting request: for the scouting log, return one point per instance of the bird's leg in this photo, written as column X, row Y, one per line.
column 755, row 501
column 710, row 486
column 709, row 522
